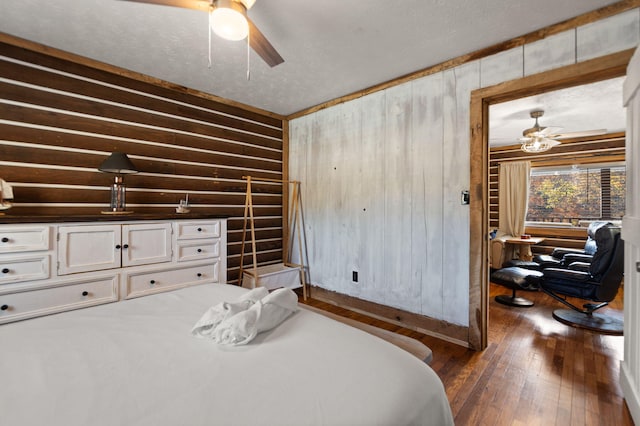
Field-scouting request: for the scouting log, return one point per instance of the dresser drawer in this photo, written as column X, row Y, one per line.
column 23, row 268
column 191, row 230
column 148, row 282
column 24, row 238
column 197, row 249
column 61, row 297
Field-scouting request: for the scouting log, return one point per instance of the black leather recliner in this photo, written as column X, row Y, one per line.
column 597, row 281
column 563, row 256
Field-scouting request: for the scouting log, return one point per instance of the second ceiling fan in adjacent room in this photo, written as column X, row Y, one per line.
column 540, row 138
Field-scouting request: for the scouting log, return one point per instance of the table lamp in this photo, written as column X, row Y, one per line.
column 119, row 164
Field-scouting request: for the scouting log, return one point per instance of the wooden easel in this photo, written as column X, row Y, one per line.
column 293, row 225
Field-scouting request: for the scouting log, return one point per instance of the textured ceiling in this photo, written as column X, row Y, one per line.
column 577, row 109
column 331, row 47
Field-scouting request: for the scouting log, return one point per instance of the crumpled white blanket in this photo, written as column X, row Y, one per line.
column 218, row 313
column 241, row 326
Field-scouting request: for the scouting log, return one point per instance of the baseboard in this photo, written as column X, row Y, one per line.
column 443, row 330
column 630, row 392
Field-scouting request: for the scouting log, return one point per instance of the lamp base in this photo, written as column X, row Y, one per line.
column 116, row 212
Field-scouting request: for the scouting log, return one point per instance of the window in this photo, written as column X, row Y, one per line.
column 577, row 193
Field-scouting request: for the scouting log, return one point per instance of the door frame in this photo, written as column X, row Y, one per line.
column 590, row 71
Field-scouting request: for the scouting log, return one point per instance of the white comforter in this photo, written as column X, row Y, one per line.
column 136, row 363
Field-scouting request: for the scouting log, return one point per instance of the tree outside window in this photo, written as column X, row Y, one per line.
column 574, row 194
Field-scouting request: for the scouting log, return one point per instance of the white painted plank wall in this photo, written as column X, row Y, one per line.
column 427, row 209
column 350, row 175
column 552, row 52
column 459, row 83
column 503, row 66
column 371, row 281
column 619, row 32
column 406, row 165
column 402, row 291
column 324, row 149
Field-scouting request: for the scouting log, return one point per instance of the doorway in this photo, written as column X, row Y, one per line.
column 574, row 75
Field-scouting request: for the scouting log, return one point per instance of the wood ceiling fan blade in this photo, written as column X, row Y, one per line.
column 581, row 134
column 202, row 5
column 551, row 130
column 262, row 47
column 248, row 3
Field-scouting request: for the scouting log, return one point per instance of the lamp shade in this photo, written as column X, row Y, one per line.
column 119, row 163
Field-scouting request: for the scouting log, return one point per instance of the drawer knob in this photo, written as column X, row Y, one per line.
column 5, row 239
column 85, row 293
column 199, row 250
column 152, row 282
column 118, row 247
column 199, row 229
column 126, row 246
column 5, row 270
column 4, row 307
column 199, row 274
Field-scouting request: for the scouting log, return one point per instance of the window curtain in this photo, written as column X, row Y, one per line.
column 513, row 201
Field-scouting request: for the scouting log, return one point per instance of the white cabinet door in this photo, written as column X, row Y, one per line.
column 147, row 243
column 88, row 248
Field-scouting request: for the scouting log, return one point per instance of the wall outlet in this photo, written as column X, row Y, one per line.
column 354, row 276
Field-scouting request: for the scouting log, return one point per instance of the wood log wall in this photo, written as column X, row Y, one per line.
column 61, row 116
column 595, row 149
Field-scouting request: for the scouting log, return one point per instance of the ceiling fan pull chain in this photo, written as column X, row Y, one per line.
column 248, row 57
column 210, row 15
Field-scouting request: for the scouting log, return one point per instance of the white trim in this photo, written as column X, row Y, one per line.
column 629, row 390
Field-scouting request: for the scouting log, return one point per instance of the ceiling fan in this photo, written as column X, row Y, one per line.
column 229, row 20
column 540, row 138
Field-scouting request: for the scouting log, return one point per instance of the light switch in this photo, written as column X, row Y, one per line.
column 464, row 197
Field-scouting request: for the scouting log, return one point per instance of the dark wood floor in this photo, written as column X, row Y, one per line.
column 535, row 370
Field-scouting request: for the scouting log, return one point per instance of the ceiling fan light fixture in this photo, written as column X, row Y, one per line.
column 537, row 144
column 229, row 20
column 537, row 138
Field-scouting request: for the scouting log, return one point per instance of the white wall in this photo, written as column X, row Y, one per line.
column 381, row 175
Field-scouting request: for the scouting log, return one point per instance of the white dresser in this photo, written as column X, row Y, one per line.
column 53, row 267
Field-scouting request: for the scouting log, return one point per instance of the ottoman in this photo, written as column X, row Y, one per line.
column 516, row 278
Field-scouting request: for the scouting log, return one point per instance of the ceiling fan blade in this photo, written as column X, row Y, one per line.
column 262, row 47
column 582, row 134
column 531, row 138
column 551, row 130
column 248, row 3
column 187, row 4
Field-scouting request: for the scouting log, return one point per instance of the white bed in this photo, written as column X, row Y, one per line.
column 136, row 363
